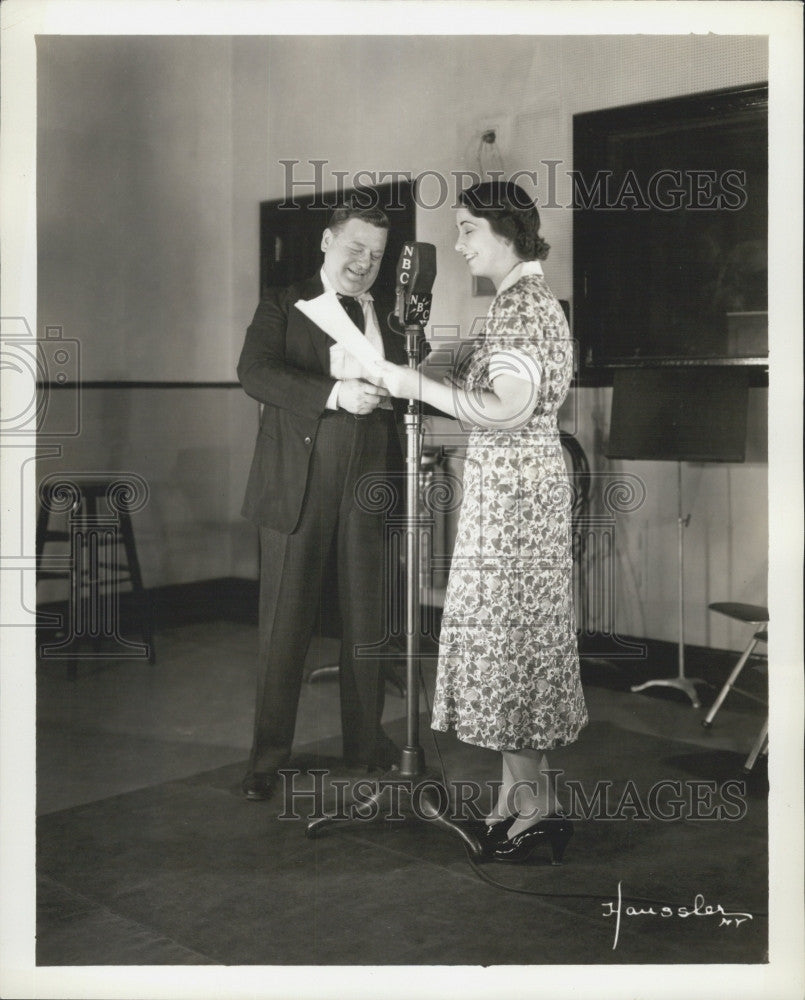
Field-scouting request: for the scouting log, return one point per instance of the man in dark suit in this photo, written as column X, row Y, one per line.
column 324, row 426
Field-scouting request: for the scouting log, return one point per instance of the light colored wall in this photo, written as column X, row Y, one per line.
column 135, row 203
column 156, row 154
column 151, row 162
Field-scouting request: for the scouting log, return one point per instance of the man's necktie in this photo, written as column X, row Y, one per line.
column 354, row 310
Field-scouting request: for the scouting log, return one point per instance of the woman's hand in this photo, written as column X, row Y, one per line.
column 401, row 381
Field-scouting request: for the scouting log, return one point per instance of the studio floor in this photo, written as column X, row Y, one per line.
column 147, row 854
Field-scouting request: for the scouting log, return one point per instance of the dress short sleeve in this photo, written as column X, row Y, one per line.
column 515, row 362
column 526, row 335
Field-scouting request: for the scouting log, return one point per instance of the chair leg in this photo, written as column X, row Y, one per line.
column 760, row 743
column 733, row 677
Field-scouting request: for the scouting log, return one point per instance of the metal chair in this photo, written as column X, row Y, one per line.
column 757, row 616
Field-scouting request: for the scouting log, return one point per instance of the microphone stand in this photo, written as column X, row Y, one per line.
column 685, row 684
column 419, row 794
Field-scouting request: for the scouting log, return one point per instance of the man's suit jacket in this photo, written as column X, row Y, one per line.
column 285, row 364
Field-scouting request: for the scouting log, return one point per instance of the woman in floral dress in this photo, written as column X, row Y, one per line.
column 508, row 671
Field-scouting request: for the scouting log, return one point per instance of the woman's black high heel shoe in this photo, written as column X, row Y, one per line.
column 494, row 833
column 490, row 835
column 557, row 830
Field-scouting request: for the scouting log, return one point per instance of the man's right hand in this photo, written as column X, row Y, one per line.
column 359, row 397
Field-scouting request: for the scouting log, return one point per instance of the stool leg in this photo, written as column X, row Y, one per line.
column 759, row 744
column 127, row 534
column 77, row 605
column 42, row 525
column 733, row 677
column 66, row 621
column 94, row 584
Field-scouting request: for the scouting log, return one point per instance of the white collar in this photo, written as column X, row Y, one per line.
column 328, row 287
column 521, row 270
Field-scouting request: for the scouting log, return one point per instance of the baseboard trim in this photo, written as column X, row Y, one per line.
column 223, row 598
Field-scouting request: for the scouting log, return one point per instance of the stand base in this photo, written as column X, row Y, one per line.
column 684, row 684
column 421, row 797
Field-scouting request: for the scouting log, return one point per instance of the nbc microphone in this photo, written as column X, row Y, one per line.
column 416, row 272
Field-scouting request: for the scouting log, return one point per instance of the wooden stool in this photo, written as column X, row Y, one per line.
column 95, row 567
column 758, row 616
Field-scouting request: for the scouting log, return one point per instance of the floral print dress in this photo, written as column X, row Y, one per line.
column 508, row 671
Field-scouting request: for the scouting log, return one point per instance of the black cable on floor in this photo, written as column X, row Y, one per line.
column 481, row 874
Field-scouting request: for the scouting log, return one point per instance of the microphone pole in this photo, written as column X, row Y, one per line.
column 416, row 272
column 426, row 797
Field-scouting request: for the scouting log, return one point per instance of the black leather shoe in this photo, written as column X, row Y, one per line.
column 490, row 834
column 258, row 787
column 555, row 830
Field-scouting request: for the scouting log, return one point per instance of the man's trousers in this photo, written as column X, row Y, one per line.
column 345, row 510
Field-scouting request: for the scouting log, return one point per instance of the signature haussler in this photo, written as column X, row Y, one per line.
column 699, row 909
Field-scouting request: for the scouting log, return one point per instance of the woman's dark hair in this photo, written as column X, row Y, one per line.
column 510, row 213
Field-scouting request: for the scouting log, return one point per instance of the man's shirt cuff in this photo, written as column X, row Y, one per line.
column 332, row 399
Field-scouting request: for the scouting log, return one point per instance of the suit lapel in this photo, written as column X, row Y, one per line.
column 392, row 342
column 319, row 339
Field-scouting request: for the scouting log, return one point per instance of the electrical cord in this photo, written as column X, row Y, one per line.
column 484, row 877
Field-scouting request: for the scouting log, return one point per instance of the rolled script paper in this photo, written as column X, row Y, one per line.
column 328, row 314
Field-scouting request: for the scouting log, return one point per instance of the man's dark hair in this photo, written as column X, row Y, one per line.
column 343, row 213
column 510, row 213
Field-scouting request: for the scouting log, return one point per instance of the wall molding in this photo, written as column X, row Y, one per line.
column 109, row 384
